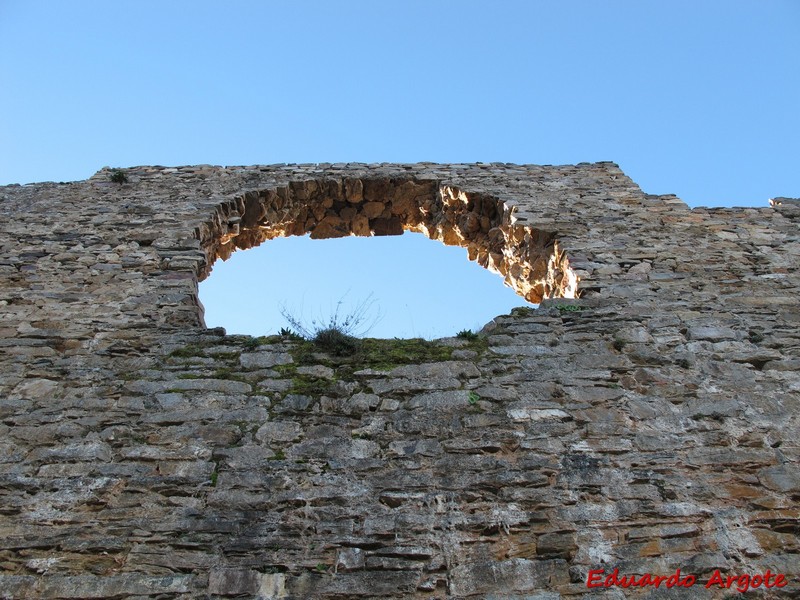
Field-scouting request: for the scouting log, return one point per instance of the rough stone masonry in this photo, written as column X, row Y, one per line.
column 647, row 425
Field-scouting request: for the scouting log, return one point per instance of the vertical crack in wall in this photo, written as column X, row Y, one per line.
column 529, row 260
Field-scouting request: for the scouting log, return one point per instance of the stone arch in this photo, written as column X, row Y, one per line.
column 529, row 259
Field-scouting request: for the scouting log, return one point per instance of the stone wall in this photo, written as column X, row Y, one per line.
column 648, row 425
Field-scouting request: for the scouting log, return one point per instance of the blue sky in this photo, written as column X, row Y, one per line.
column 693, row 98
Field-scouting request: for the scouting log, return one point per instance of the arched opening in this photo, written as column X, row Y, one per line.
column 529, row 260
column 411, row 287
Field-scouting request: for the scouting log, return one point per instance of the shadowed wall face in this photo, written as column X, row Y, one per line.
column 648, row 425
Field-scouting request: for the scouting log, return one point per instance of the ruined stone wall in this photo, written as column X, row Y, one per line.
column 649, row 425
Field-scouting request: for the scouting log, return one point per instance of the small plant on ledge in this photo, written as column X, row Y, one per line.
column 118, row 176
column 288, row 333
column 467, row 334
column 337, row 334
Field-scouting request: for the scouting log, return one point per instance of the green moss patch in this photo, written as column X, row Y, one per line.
column 308, row 385
column 387, row 354
column 187, row 351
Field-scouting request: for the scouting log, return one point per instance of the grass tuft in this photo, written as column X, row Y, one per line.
column 467, row 334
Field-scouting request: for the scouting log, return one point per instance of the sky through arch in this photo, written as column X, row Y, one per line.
column 421, row 287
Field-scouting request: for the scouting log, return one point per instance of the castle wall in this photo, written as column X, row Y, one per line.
column 648, row 425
